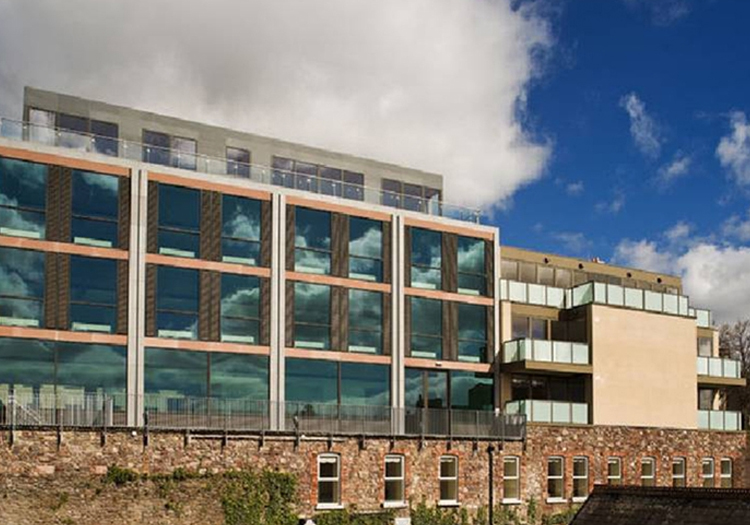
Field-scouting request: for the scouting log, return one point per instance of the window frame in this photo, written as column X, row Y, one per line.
column 195, row 313
column 516, row 478
column 352, row 328
column 247, row 318
column 328, row 325
column 723, row 477
column 614, row 460
column 179, row 230
column 38, row 301
column 561, row 478
column 26, row 209
column 650, row 480
column 579, row 478
column 679, row 479
column 245, row 240
column 102, row 305
column 335, row 459
column 447, row 480
column 379, row 260
column 401, row 480
column 708, row 479
column 428, row 268
column 432, row 337
column 114, row 221
column 480, row 275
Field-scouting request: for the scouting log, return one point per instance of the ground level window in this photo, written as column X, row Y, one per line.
column 394, row 480
column 614, row 471
column 329, row 481
column 555, row 478
column 648, row 472
column 726, row 473
column 707, row 472
column 448, row 480
column 580, row 478
column 678, row 472
column 511, row 479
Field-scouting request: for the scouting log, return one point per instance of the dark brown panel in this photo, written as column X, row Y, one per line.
column 204, row 308
column 50, row 291
column 214, row 330
column 214, row 240
column 407, row 326
column 450, row 331
column 489, row 267
column 52, row 232
column 407, row 256
column 289, row 319
column 387, row 252
column 339, row 245
column 65, row 205
column 490, row 313
column 449, row 264
column 123, row 219
column 151, row 300
column 343, row 326
column 63, row 291
column 336, row 317
column 152, row 220
column 266, row 225
column 122, row 297
column 290, row 238
column 206, row 226
column 265, row 312
column 387, row 325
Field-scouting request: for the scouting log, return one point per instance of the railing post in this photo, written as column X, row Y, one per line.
column 12, row 416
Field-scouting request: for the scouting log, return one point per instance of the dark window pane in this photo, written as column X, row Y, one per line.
column 23, row 191
column 95, row 208
column 238, row 162
column 177, row 300
column 73, row 123
column 520, row 326
column 94, row 368
column 312, row 316
column 365, row 321
column 93, row 294
column 156, row 147
column 426, row 328
column 365, row 249
column 471, row 269
column 312, row 241
column 311, row 381
column 105, row 137
column 364, row 384
column 238, row 376
column 282, row 172
column 240, row 308
column 306, row 176
column 538, row 328
column 330, row 181
column 26, row 364
column 471, row 391
column 472, row 333
column 179, row 221
column 414, row 388
column 240, row 230
column 520, row 387
column 183, row 153
column 391, row 195
column 175, row 373
column 437, row 390
column 354, row 186
column 413, row 197
column 21, row 287
column 426, row 256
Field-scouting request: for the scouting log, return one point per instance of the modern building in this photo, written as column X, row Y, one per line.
column 159, row 273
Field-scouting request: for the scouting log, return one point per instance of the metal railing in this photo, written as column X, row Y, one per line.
column 719, row 367
column 32, row 409
column 140, row 152
column 537, row 411
column 719, row 420
column 563, row 352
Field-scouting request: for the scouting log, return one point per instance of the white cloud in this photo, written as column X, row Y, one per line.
column 574, row 242
column 438, row 85
column 574, row 188
column 678, row 233
column 737, row 228
column 679, row 166
column 733, row 150
column 613, row 206
column 643, row 129
column 644, row 255
column 663, row 12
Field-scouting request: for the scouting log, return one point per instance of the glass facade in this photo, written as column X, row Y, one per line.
column 21, row 287
column 455, row 389
column 549, row 388
column 93, row 294
column 472, row 276
column 177, row 300
column 426, row 259
column 179, row 221
column 312, row 316
column 240, row 230
column 471, row 391
column 240, row 309
column 23, row 198
column 365, row 322
column 472, row 333
column 95, row 209
column 365, row 249
column 312, row 241
column 426, row 328
column 365, row 384
column 329, row 382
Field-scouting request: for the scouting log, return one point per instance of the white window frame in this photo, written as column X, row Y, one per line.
column 330, row 458
column 652, row 477
column 441, row 479
column 516, row 461
column 614, row 460
column 585, row 460
column 729, row 476
column 679, row 461
column 708, row 477
column 561, row 477
column 395, row 458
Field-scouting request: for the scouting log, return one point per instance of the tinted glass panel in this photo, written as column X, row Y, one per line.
column 365, row 249
column 312, row 241
column 425, row 258
column 94, row 368
column 238, row 162
column 240, row 230
column 156, row 147
column 93, row 294
column 471, row 268
column 179, row 221
column 176, row 373
column 183, row 153
column 105, row 137
column 95, row 208
column 426, row 328
column 26, row 364
column 237, row 376
column 23, row 191
column 391, row 195
column 354, row 186
column 21, row 287
column 311, row 381
column 282, row 174
column 330, row 181
column 471, row 391
column 312, row 316
column 365, row 321
column 177, row 302
column 437, row 390
column 363, row 384
column 414, row 387
column 240, row 308
column 472, row 333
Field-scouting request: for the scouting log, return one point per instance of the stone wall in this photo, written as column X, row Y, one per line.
column 35, row 469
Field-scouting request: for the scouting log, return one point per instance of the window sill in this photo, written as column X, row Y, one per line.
column 329, row 506
column 580, row 499
column 557, row 500
column 394, row 505
column 447, row 503
column 511, row 502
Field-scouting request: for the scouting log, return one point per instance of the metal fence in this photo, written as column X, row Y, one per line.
column 30, row 409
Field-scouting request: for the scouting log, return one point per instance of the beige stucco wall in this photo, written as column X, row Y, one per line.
column 644, row 368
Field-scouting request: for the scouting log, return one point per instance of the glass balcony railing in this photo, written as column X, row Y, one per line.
column 719, row 420
column 562, row 352
column 703, row 317
column 136, row 151
column 719, row 367
column 537, row 294
column 562, row 412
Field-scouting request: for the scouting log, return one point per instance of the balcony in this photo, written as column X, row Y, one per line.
column 719, row 371
column 139, row 152
column 536, row 294
column 719, row 420
column 550, row 356
column 559, row 412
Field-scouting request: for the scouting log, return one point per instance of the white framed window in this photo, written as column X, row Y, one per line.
column 707, row 473
column 448, row 477
column 394, row 481
column 725, row 476
column 614, row 471
column 511, row 479
column 580, row 478
column 678, row 472
column 329, row 481
column 555, row 479
column 648, row 472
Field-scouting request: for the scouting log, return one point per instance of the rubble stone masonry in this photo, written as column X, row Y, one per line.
column 37, row 469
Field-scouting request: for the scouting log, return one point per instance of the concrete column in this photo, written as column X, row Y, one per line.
column 497, row 351
column 278, row 311
column 398, row 351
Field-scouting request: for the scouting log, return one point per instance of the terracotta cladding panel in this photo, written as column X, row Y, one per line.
column 290, row 236
column 407, row 256
column 336, row 317
column 52, row 232
column 387, row 325
column 206, row 226
column 265, row 233
column 344, row 320
column 265, row 312
column 289, row 320
column 387, row 229
column 122, row 297
column 123, row 219
column 407, row 326
column 449, row 263
column 489, row 265
column 214, row 241
column 152, row 220
column 205, row 309
column 63, row 292
column 50, row 290
column 339, row 245
column 65, row 204
column 490, row 323
column 215, row 302
column 151, row 270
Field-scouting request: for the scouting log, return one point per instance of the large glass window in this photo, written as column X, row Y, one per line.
column 23, row 198
column 424, row 389
column 426, row 328
column 365, row 384
column 161, row 148
column 92, row 368
column 240, row 230
column 471, row 391
column 365, row 249
column 311, row 381
column 238, row 376
column 472, row 278
column 394, row 479
column 365, row 321
column 511, row 479
column 312, row 241
column 177, row 299
column 175, row 373
column 448, row 477
column 21, row 287
column 472, row 333
column 179, row 221
column 549, row 388
column 240, row 309
column 555, row 478
column 282, row 174
column 95, row 209
column 426, row 256
column 329, row 480
column 93, row 294
column 312, row 316
column 238, row 162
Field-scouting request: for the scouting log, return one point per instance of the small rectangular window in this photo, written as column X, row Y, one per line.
column 580, row 478
column 648, row 472
column 511, row 480
column 183, row 153
column 413, row 198
column 22, row 287
column 705, row 346
column 519, row 326
column 472, row 278
column 283, row 172
column 240, row 309
column 426, row 328
column 329, row 480
column 93, row 294
column 426, row 259
column 354, row 186
column 614, row 471
column 179, row 221
column 23, row 198
column 707, row 473
column 391, row 194
column 706, row 398
column 726, row 473
column 331, row 181
column 365, row 249
column 555, row 479
column 177, row 300
column 394, row 479
column 105, row 137
column 365, row 321
column 448, row 480
column 238, row 162
column 156, row 147
column 240, row 230
column 95, row 209
column 312, row 241
column 678, row 472
column 539, row 328
column 74, row 132
column 312, row 316
column 472, row 333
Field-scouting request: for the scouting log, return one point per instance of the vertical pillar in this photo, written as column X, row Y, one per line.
column 137, row 294
column 278, row 311
column 498, row 330
column 397, row 324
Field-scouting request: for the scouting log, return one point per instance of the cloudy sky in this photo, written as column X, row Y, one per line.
column 615, row 129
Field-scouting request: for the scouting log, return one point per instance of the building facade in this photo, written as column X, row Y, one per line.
column 158, row 273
